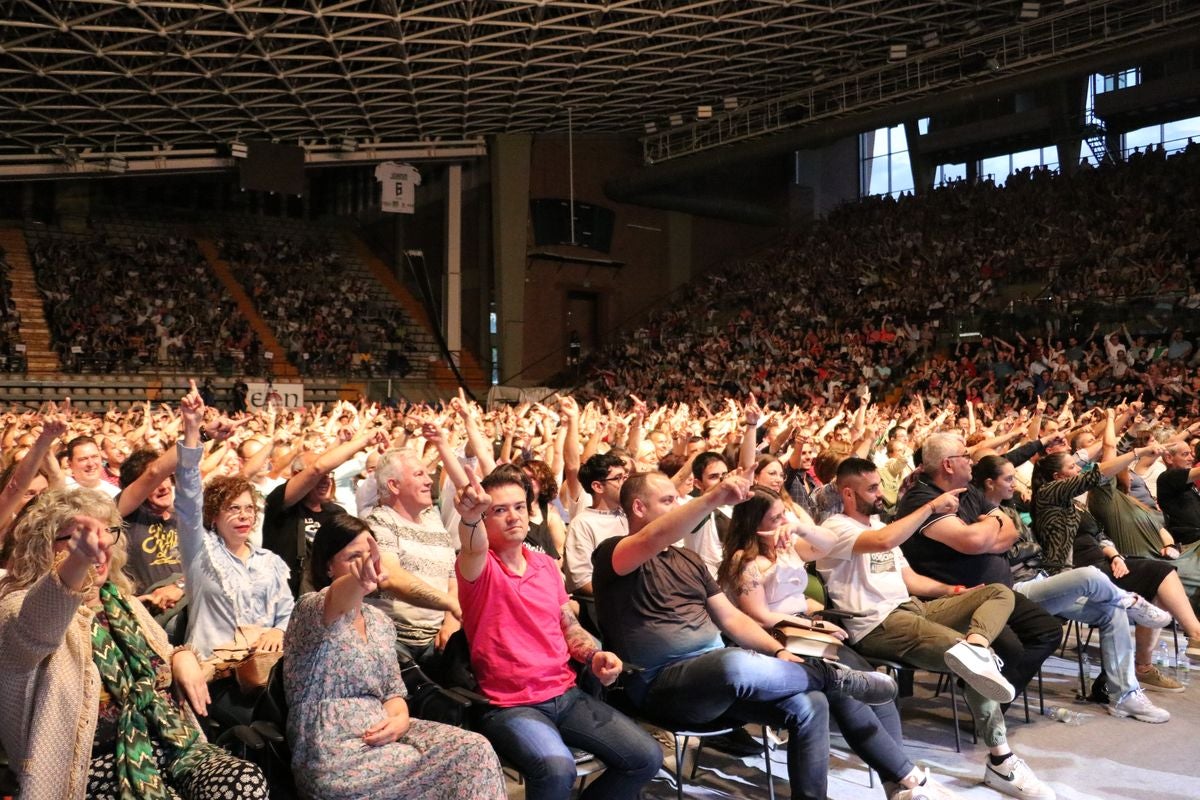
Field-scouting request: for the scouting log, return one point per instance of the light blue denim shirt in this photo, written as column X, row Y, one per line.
column 223, row 591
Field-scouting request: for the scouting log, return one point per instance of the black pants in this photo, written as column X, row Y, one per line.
column 1028, row 639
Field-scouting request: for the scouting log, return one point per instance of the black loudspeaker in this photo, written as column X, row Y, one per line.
column 271, row 167
column 552, row 224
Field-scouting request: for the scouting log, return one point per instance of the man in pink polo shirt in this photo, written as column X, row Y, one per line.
column 522, row 637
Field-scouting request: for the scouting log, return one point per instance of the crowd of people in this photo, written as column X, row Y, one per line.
column 326, row 319
column 128, row 305
column 533, row 553
column 864, row 299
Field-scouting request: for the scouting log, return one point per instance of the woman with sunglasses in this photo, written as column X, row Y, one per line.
column 94, row 701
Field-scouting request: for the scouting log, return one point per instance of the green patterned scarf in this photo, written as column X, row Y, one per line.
column 147, row 718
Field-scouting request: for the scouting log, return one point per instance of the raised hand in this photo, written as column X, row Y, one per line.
column 367, row 569
column 734, row 488
column 472, row 502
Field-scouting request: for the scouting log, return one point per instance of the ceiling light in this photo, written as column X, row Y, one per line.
column 898, row 52
column 703, row 112
column 651, row 127
column 238, row 149
column 116, row 164
column 930, row 39
column 676, row 120
column 1030, row 11
column 347, row 144
column 973, row 28
column 730, row 103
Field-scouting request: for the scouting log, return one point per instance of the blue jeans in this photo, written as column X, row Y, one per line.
column 1087, row 595
column 537, row 740
column 756, row 688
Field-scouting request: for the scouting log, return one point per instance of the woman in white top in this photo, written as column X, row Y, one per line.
column 763, row 568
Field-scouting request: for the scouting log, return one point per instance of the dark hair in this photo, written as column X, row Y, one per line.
column 596, row 469
column 740, row 546
column 508, row 475
column 854, row 466
column 703, row 460
column 1043, row 473
column 220, row 492
column 547, row 484
column 987, row 468
column 825, row 465
column 78, row 441
column 671, row 463
column 332, row 537
column 135, row 465
column 633, row 488
column 764, row 461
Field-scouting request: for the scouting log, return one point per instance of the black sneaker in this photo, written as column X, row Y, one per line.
column 872, row 688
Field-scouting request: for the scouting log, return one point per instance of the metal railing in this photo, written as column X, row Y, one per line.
column 1072, row 31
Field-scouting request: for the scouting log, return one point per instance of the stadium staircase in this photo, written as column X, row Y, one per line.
column 440, row 372
column 283, row 369
column 40, row 358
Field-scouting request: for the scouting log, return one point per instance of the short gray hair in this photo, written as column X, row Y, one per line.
column 937, row 448
column 391, row 467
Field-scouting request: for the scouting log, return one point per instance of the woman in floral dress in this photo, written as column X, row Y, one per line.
column 349, row 728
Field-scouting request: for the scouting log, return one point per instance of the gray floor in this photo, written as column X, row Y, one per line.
column 1121, row 759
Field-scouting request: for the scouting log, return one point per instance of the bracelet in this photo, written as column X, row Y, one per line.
column 1118, row 555
column 777, row 652
column 471, row 525
column 189, row 648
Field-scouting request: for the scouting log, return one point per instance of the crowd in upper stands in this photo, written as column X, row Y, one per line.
column 376, row 530
column 124, row 305
column 326, row 319
column 876, row 288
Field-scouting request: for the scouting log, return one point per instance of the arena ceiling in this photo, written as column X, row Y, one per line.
column 83, row 78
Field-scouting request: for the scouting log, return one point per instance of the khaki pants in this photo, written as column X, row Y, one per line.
column 920, row 632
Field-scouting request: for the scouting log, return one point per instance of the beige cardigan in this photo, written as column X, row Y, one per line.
column 50, row 689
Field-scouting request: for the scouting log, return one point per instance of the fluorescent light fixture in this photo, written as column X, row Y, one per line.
column 651, row 127
column 703, row 112
column 238, row 149
column 930, row 39
column 730, row 103
column 676, row 120
column 898, row 52
column 973, row 28
column 116, row 164
column 347, row 144
column 1030, row 11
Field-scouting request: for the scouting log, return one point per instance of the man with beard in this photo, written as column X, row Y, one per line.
column 865, row 572
column 296, row 509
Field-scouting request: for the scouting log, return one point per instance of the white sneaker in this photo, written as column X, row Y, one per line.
column 1146, row 614
column 979, row 668
column 1137, row 705
column 1014, row 777
column 930, row 790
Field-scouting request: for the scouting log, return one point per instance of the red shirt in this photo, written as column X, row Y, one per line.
column 518, row 650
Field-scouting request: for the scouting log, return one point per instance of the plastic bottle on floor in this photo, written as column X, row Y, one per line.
column 1067, row 716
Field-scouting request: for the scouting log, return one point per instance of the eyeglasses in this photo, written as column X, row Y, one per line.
column 620, row 477
column 113, row 532
column 237, row 511
column 960, row 455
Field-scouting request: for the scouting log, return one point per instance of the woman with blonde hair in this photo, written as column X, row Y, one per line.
column 73, row 639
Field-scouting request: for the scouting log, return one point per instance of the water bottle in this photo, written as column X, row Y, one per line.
column 1183, row 670
column 1161, row 657
column 1066, row 715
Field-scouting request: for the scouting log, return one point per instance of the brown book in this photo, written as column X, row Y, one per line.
column 806, row 641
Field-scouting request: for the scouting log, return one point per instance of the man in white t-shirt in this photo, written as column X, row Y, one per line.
column 602, row 476
column 866, row 572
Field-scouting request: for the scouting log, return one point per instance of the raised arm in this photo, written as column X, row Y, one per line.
column 472, row 503
column 189, row 492
column 636, row 549
column 570, row 410
column 450, row 463
column 13, row 494
column 303, row 482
